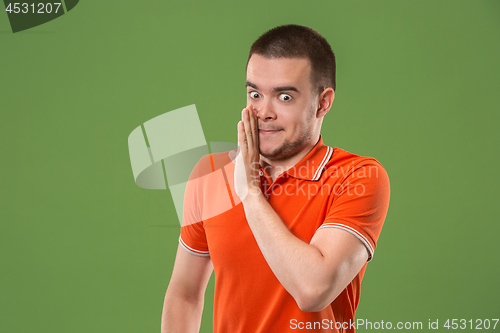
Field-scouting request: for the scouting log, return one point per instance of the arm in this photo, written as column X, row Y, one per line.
column 314, row 274
column 183, row 305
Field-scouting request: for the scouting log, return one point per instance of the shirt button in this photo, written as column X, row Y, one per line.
column 261, row 173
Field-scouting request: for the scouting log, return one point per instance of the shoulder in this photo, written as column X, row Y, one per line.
column 344, row 158
column 211, row 162
column 344, row 164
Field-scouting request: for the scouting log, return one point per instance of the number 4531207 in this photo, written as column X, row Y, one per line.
column 35, row 8
column 478, row 324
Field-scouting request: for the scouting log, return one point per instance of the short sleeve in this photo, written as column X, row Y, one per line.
column 360, row 203
column 193, row 238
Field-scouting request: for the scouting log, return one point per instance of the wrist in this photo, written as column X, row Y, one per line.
column 253, row 197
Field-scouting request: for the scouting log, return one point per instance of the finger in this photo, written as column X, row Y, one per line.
column 248, row 130
column 242, row 137
column 253, row 127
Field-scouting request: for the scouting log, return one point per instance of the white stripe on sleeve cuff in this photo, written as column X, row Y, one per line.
column 353, row 231
column 193, row 251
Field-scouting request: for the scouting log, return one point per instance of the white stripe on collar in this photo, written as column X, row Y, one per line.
column 319, row 171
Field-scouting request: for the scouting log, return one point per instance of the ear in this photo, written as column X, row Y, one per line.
column 325, row 100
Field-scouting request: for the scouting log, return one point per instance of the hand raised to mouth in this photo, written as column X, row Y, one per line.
column 246, row 171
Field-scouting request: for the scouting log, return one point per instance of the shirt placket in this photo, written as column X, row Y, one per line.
column 267, row 184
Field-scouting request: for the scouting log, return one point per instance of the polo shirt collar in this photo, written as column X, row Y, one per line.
column 313, row 164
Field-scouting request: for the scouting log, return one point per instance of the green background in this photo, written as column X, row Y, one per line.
column 84, row 249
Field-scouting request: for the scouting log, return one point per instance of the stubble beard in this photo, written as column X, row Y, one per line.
column 289, row 149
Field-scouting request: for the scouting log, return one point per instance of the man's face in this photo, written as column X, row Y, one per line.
column 280, row 91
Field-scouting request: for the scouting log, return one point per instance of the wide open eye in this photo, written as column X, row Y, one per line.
column 285, row 97
column 254, row 94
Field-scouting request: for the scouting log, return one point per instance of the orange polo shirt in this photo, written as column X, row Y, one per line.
column 328, row 188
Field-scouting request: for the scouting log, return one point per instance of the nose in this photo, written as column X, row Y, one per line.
column 265, row 110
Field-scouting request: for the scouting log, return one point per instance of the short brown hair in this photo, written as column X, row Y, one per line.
column 297, row 41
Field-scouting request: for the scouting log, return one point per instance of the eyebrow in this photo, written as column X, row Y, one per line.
column 276, row 89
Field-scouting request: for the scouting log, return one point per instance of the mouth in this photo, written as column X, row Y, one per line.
column 268, row 132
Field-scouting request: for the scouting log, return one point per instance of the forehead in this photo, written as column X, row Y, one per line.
column 267, row 73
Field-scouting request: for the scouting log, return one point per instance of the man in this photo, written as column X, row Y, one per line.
column 291, row 254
